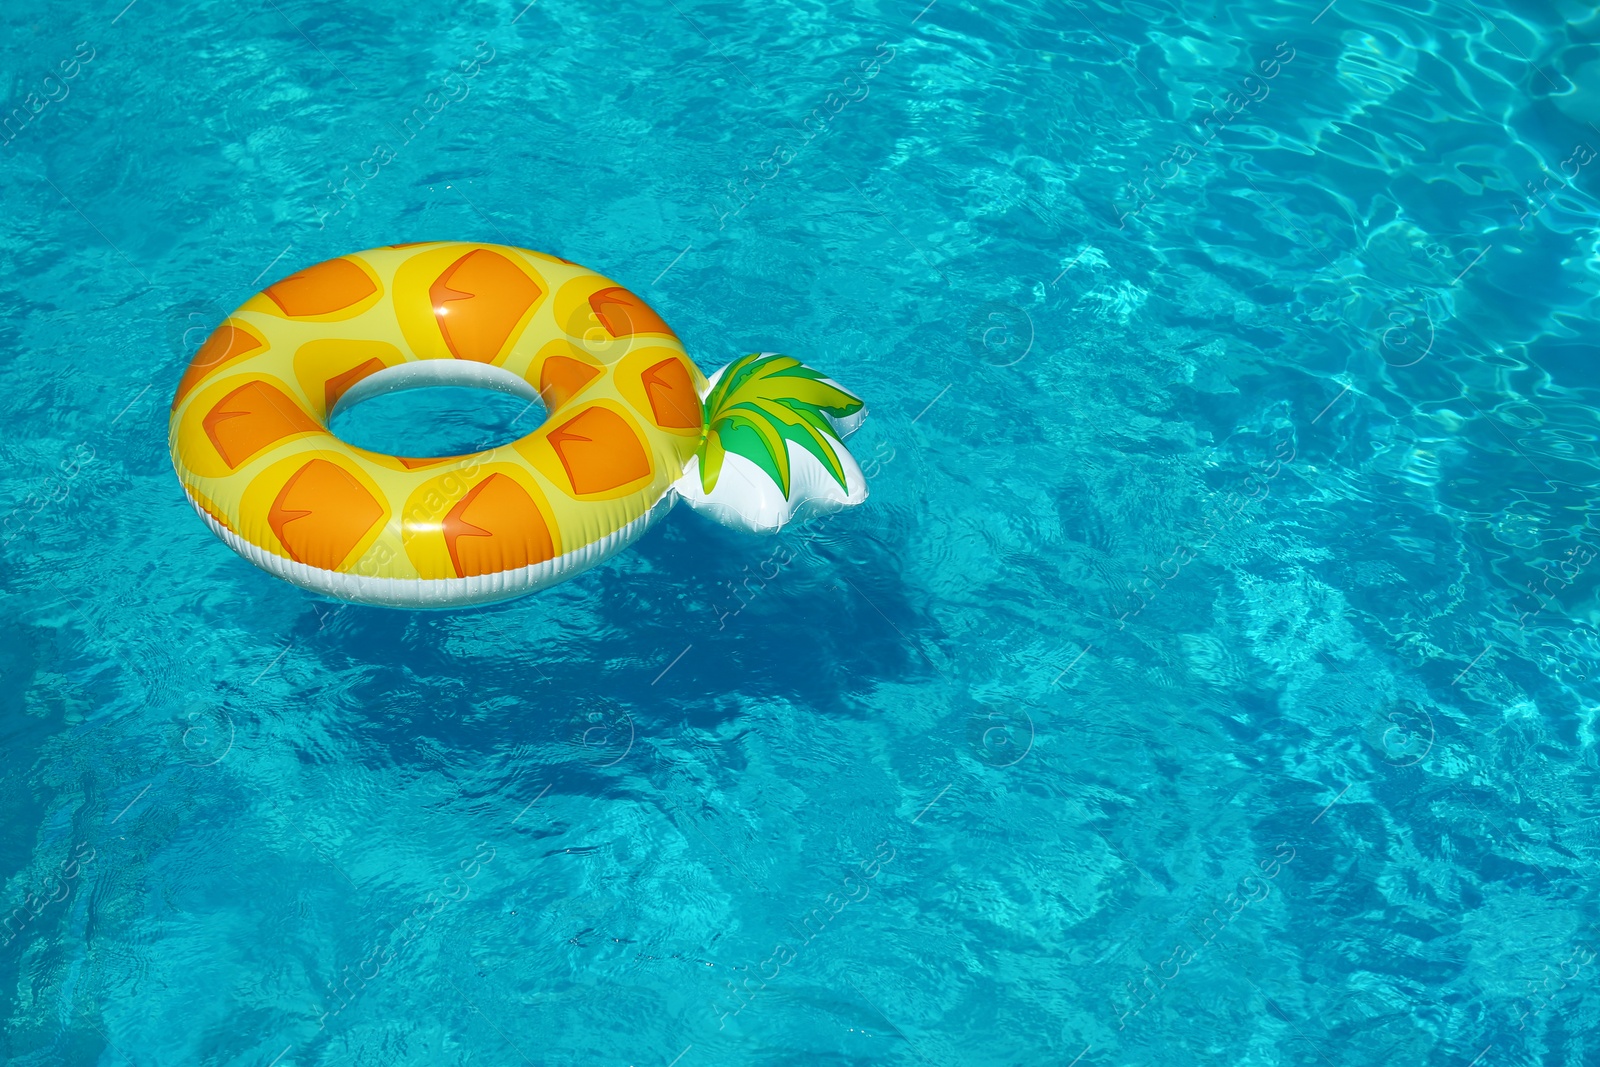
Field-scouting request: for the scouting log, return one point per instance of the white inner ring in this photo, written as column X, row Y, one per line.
column 427, row 373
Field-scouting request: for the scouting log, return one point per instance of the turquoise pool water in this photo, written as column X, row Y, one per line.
column 1209, row 678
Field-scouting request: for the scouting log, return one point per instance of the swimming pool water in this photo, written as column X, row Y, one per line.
column 435, row 420
column 1209, row 678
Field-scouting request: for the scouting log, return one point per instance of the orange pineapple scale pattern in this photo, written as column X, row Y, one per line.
column 249, row 425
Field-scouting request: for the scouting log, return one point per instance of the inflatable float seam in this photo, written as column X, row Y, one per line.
column 438, row 592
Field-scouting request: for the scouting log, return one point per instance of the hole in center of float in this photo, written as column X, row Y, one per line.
column 436, row 407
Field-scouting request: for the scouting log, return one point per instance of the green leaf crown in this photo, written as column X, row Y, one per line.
column 760, row 403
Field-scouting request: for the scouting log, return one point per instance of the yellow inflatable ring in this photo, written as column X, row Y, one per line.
column 628, row 413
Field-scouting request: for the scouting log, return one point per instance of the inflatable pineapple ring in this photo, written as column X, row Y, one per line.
column 633, row 425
